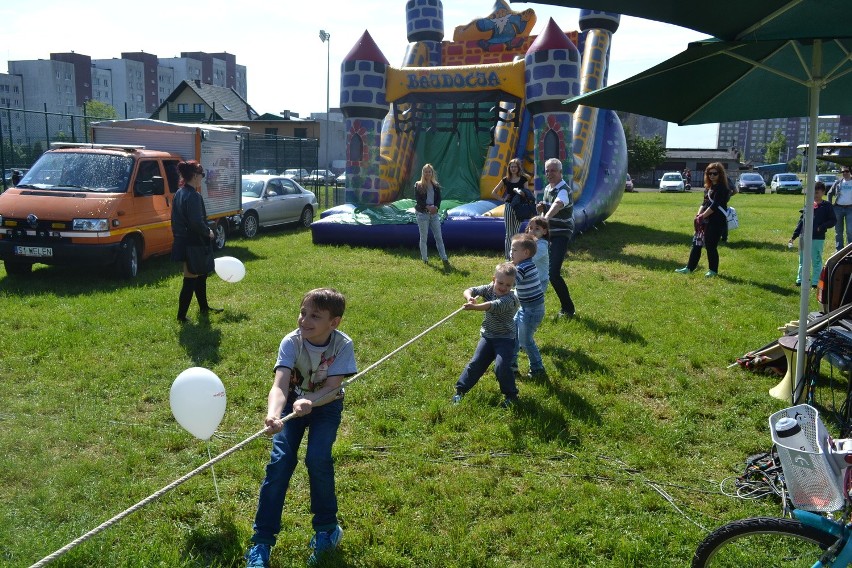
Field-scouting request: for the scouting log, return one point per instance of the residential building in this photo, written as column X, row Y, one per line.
column 643, row 126
column 194, row 101
column 751, row 137
column 12, row 126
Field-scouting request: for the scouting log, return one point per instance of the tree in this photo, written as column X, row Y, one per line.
column 98, row 109
column 94, row 111
column 775, row 148
column 644, row 153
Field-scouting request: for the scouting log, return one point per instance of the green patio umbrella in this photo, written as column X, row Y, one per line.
column 743, row 80
column 772, row 59
column 734, row 19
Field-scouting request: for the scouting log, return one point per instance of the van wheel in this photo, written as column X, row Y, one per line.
column 250, row 224
column 18, row 268
column 220, row 235
column 307, row 217
column 127, row 263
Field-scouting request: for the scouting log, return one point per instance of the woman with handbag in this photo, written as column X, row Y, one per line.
column 519, row 200
column 193, row 239
column 711, row 221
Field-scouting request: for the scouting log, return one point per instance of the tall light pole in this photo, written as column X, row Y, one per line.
column 326, row 39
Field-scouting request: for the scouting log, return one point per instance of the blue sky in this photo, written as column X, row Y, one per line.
column 279, row 41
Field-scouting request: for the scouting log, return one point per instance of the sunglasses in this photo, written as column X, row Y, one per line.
column 712, row 173
column 844, row 171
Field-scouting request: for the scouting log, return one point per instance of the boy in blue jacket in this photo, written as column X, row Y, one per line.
column 823, row 220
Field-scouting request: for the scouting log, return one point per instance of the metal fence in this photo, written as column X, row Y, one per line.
column 26, row 134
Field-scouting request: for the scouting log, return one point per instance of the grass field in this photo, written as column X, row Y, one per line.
column 615, row 460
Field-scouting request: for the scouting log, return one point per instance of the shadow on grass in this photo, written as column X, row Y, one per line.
column 608, row 243
column 625, row 333
column 201, row 341
column 69, row 281
column 206, row 547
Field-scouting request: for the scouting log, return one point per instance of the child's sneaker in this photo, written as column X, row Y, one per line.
column 509, row 402
column 457, row 398
column 323, row 542
column 258, row 556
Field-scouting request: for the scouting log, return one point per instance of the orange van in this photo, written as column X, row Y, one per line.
column 109, row 203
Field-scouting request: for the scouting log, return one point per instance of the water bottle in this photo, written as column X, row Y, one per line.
column 789, row 244
column 790, row 434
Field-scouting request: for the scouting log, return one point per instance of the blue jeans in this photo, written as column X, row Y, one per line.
column 843, row 213
column 499, row 350
column 528, row 318
column 816, row 261
column 321, row 424
column 426, row 221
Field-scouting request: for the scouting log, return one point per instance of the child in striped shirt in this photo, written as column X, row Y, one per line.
column 528, row 288
column 497, row 334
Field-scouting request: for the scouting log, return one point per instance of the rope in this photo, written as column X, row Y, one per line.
column 154, row 496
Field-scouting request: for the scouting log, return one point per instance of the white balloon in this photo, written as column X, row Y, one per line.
column 198, row 401
column 230, row 269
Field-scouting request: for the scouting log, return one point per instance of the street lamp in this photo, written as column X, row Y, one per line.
column 326, row 39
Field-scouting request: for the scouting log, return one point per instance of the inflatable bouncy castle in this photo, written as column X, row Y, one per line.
column 468, row 106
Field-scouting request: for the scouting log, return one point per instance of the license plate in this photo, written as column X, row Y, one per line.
column 34, row 251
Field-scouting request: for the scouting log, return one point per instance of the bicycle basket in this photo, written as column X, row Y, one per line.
column 813, row 481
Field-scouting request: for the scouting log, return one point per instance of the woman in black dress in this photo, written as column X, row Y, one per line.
column 189, row 228
column 511, row 186
column 711, row 221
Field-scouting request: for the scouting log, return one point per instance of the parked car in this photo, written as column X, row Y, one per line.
column 274, row 200
column 265, row 172
column 672, row 181
column 785, row 183
column 297, row 174
column 340, row 180
column 827, row 179
column 319, row 177
column 628, row 184
column 751, row 183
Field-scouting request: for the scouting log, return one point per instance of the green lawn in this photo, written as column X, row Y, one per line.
column 639, row 404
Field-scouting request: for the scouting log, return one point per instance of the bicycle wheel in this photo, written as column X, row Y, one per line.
column 830, row 395
column 762, row 542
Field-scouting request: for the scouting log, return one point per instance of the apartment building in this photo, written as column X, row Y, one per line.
column 135, row 84
column 751, row 137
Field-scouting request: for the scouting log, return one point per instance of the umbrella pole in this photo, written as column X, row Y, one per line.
column 807, row 229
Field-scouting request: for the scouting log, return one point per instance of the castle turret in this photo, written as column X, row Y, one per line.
column 362, row 100
column 552, row 75
column 425, row 23
column 598, row 27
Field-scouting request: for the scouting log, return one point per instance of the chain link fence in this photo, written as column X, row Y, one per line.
column 27, row 134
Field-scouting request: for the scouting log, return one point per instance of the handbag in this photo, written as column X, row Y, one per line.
column 733, row 220
column 523, row 207
column 199, row 259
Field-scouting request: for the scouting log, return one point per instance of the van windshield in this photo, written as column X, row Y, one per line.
column 71, row 171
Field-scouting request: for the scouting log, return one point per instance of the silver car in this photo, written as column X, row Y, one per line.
column 274, row 200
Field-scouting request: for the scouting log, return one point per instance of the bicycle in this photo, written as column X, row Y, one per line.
column 817, row 475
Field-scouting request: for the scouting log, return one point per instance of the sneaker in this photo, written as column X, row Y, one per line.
column 323, row 542
column 565, row 315
column 258, row 556
column 684, row 270
column 457, row 398
column 211, row 310
column 537, row 374
column 509, row 402
column 710, row 274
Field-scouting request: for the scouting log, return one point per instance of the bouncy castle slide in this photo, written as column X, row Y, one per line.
column 469, row 106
